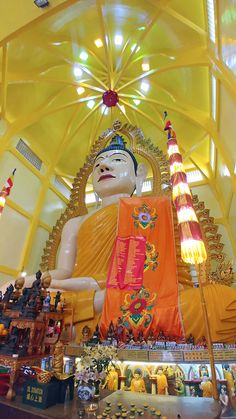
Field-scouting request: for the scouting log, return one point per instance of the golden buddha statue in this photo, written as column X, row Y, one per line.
column 162, row 384
column 137, row 383
column 112, row 379
column 86, row 249
column 206, row 387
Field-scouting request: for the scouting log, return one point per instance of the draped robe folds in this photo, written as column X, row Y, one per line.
column 95, row 245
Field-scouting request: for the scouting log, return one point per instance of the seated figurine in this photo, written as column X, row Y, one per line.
column 46, row 302
column 162, row 384
column 57, row 299
column 96, row 336
column 206, row 387
column 137, row 382
column 112, row 379
column 86, row 335
column 161, row 337
column 8, row 294
column 190, row 339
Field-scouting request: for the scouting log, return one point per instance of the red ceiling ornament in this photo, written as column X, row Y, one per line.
column 110, row 98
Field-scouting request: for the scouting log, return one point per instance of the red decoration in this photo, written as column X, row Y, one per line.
column 110, row 98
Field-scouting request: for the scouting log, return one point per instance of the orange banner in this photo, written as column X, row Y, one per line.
column 154, row 306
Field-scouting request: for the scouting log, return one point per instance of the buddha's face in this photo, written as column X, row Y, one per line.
column 113, row 173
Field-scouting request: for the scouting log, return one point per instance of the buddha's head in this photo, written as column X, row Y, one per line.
column 160, row 371
column 116, row 170
column 137, row 374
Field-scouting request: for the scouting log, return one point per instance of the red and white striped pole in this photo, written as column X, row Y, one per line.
column 6, row 191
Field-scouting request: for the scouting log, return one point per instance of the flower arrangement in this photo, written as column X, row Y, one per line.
column 89, row 377
column 95, row 361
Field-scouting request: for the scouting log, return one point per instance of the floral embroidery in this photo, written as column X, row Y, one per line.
column 151, row 257
column 144, row 216
column 137, row 308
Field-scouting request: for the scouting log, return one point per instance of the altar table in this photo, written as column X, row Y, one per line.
column 187, row 407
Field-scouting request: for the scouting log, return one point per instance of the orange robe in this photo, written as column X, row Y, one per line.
column 96, row 238
column 207, row 389
column 112, row 381
column 95, row 242
column 138, row 385
column 162, row 384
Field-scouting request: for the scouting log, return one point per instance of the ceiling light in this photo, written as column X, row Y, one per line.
column 118, row 39
column 145, row 67
column 135, row 47
column 83, row 56
column 98, row 43
column 123, row 108
column 23, row 274
column 41, row 3
column 144, row 86
column 213, row 97
column 104, row 110
column 137, row 101
column 212, row 154
column 80, row 90
column 141, row 28
column 225, row 171
column 211, row 20
column 77, row 71
column 91, row 104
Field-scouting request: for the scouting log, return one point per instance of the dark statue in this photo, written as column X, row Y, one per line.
column 8, row 294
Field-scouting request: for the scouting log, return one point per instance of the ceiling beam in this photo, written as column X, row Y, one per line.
column 4, row 80
column 140, row 41
column 107, row 44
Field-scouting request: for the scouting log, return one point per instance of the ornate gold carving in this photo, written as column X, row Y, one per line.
column 223, row 274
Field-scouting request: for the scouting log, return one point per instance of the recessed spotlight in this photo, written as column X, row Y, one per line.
column 23, row 274
column 80, row 90
column 77, row 71
column 98, row 42
column 135, row 47
column 122, row 108
column 118, row 39
column 144, row 86
column 83, row 56
column 136, row 102
column 145, row 67
column 91, row 104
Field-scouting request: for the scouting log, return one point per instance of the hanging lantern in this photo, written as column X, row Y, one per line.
column 192, row 246
column 6, row 191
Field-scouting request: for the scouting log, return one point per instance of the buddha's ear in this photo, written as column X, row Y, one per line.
column 140, row 178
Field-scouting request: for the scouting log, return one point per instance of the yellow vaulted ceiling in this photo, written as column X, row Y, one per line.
column 41, row 48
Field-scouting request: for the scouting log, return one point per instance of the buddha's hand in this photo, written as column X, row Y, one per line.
column 82, row 283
